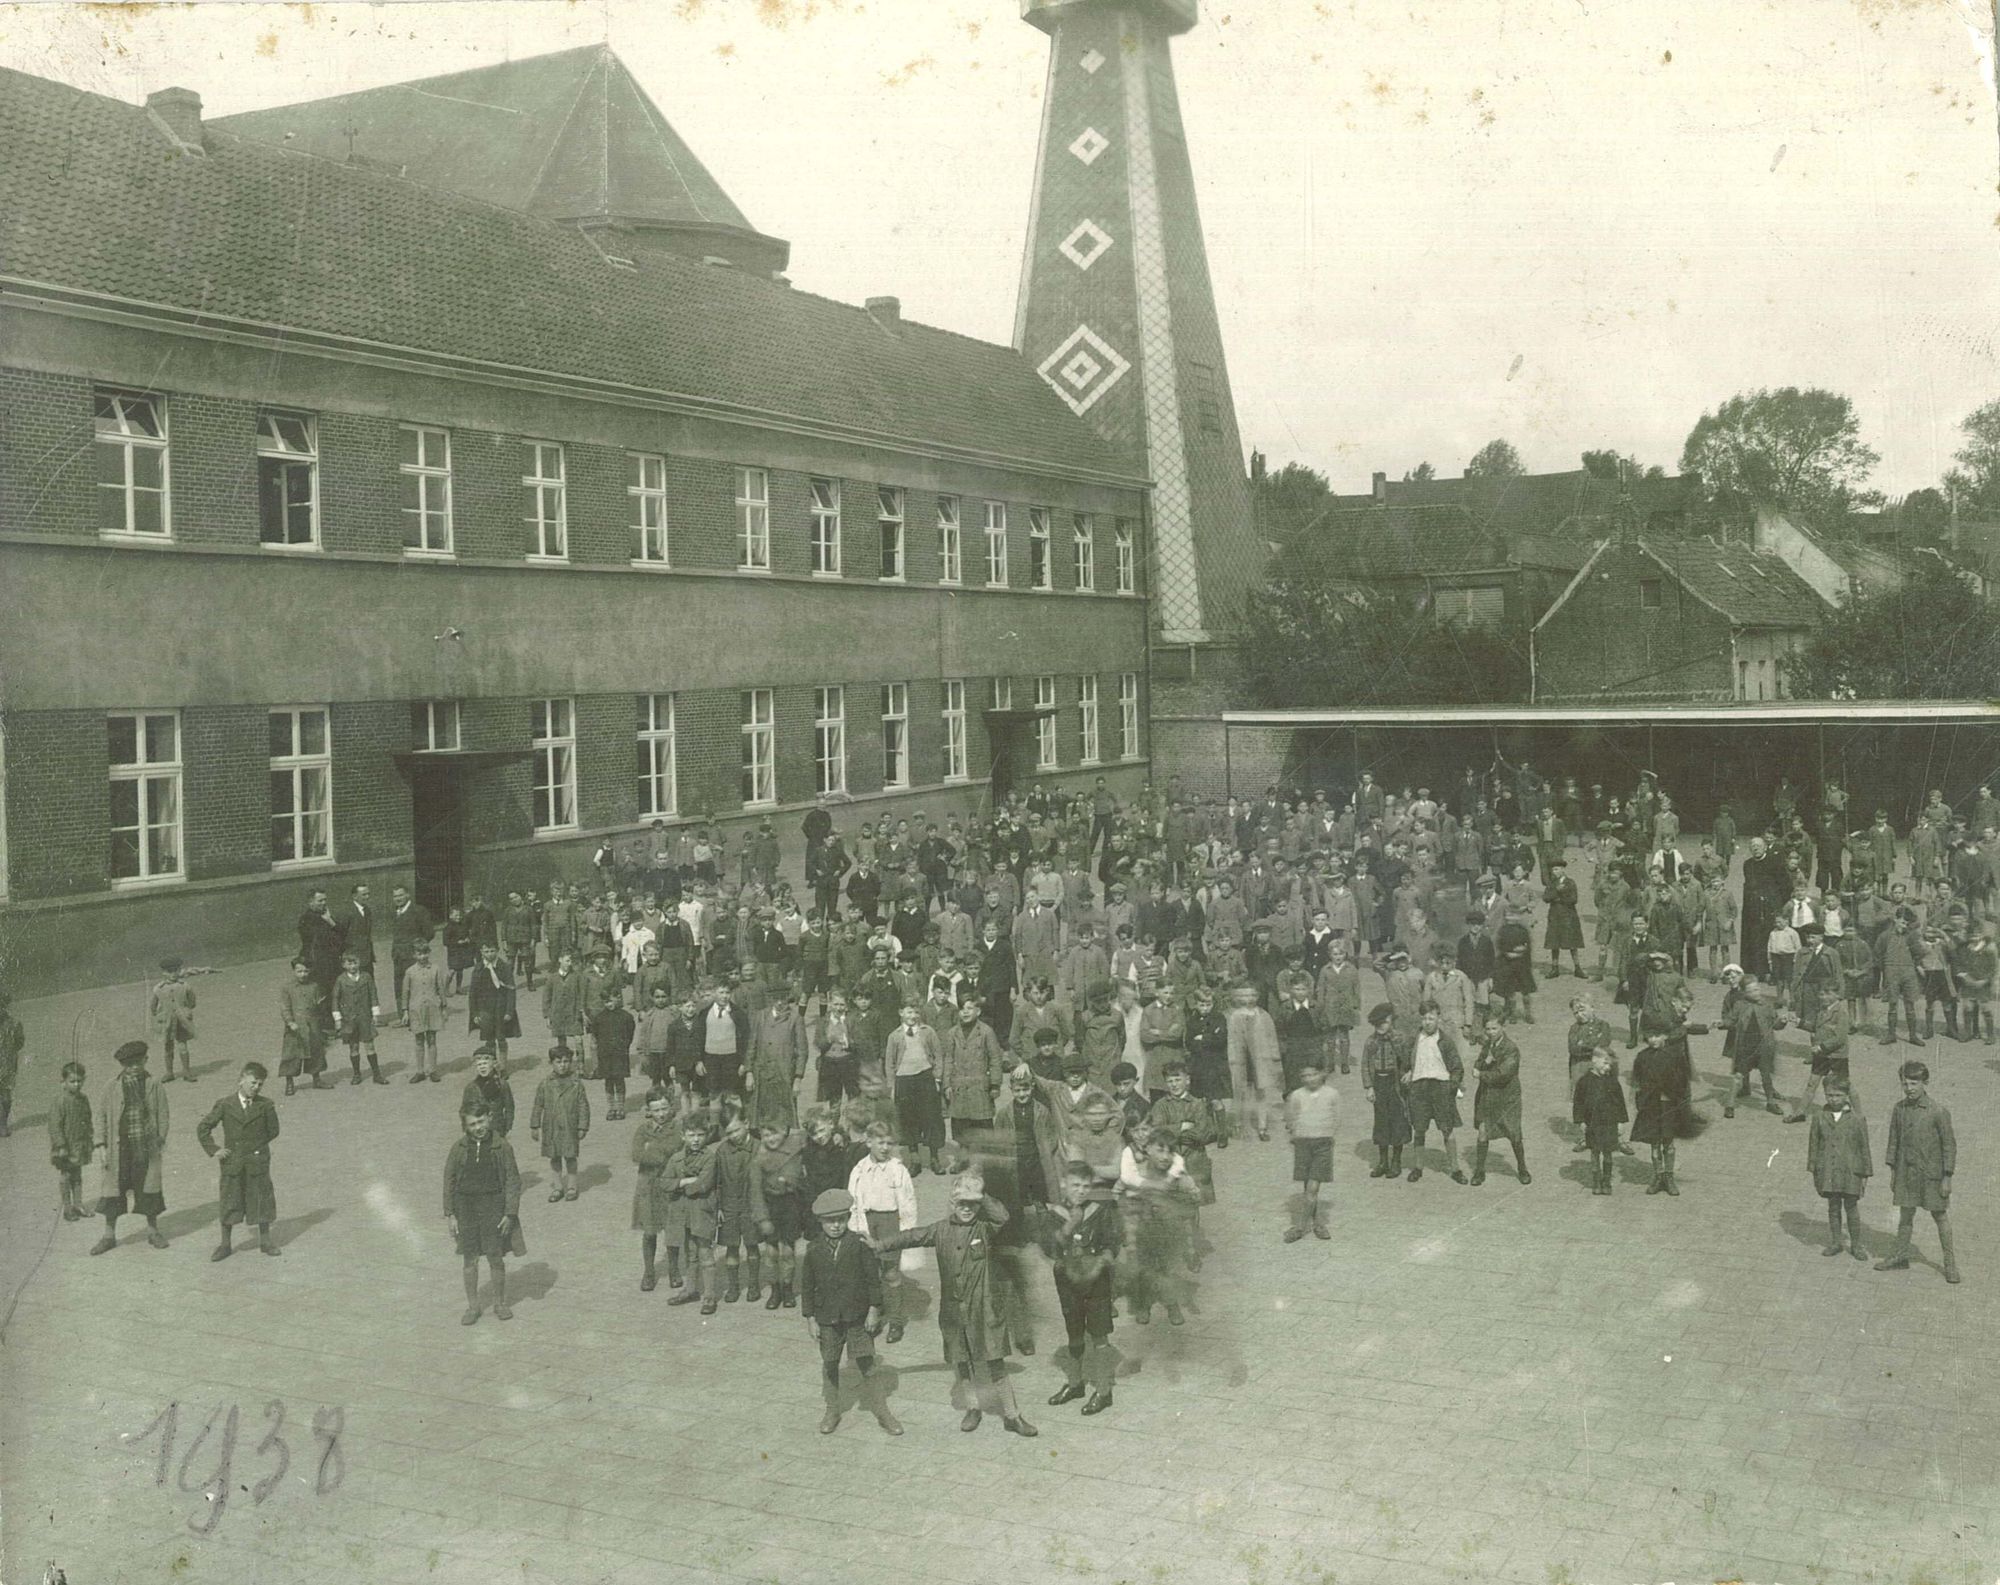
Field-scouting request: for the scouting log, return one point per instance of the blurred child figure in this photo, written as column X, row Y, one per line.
column 173, row 1022
column 559, row 1118
column 482, row 1208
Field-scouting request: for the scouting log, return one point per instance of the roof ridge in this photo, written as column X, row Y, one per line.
column 419, row 82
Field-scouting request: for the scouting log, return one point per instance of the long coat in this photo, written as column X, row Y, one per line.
column 1765, row 886
column 1496, row 1105
column 154, row 1099
column 247, row 1132
column 777, row 1060
column 970, row 1067
column 1922, row 1152
column 653, row 1146
column 562, row 1004
column 1837, row 1153
column 561, row 1116
column 971, row 1311
column 425, row 988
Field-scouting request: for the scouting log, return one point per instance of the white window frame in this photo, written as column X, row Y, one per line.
column 153, row 777
column 996, row 545
column 753, row 520
column 298, row 764
column 646, row 490
column 1003, row 693
column 823, row 527
column 552, row 737
column 1128, row 715
column 951, row 543
column 1083, row 539
column 760, row 748
column 430, row 479
column 1086, row 717
column 118, row 432
column 890, row 520
column 830, row 739
column 1046, row 755
column 1128, row 558
column 436, row 726
column 288, row 442
column 547, row 501
column 895, row 734
column 953, row 712
column 659, row 769
column 1041, row 547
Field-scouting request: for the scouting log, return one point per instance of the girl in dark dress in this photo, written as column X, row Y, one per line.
column 1514, row 968
column 1382, row 1079
column 1662, row 1081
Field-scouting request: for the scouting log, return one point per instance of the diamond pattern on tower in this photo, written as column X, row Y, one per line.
column 1083, row 368
column 1092, row 59
column 1085, row 245
column 1088, row 144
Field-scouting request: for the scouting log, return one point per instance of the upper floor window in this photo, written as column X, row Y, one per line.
column 132, row 464
column 753, row 520
column 825, row 526
column 889, row 521
column 1649, row 594
column 1128, row 570
column 1083, row 533
column 1040, row 574
column 646, row 489
column 425, row 469
column 546, row 497
column 434, row 725
column 950, row 547
column 996, row 543
column 287, row 479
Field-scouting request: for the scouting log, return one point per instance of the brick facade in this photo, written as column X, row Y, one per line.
column 1604, row 642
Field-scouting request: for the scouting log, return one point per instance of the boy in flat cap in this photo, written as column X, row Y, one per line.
column 840, row 1296
column 132, row 1134
column 249, row 1123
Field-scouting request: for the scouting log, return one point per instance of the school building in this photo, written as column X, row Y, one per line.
column 396, row 490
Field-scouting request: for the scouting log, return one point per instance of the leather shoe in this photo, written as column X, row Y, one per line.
column 971, row 1420
column 1894, row 1263
column 1099, row 1402
column 1020, row 1427
column 1069, row 1392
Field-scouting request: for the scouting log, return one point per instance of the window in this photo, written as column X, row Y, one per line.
column 547, row 501
column 1040, row 574
column 426, row 477
column 647, row 491
column 132, row 465
column 659, row 790
column 760, row 748
column 829, row 740
column 1649, row 594
column 1128, row 715
column 895, row 734
column 554, row 744
column 889, row 519
column 1045, row 726
column 301, row 788
column 950, row 550
column 145, row 797
column 825, row 526
column 954, row 731
column 1128, row 579
column 434, row 725
column 996, row 543
column 287, row 479
column 1083, row 531
column 1086, row 717
column 1483, row 607
column 1207, row 408
column 1003, row 693
column 753, row 520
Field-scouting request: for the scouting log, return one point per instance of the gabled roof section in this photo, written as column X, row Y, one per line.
column 1541, row 503
column 1748, row 588
column 1377, row 542
column 260, row 239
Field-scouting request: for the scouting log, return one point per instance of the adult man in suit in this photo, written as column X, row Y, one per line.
column 356, row 919
column 321, row 941
column 409, row 923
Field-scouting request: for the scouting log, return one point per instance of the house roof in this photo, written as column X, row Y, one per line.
column 566, row 136
column 1748, row 588
column 96, row 201
column 1537, row 503
column 1366, row 543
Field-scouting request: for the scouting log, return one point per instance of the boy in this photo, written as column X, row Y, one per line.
column 1973, row 962
column 304, row 1044
column 562, row 1003
column 489, row 1087
column 559, row 1118
column 1131, row 1104
column 840, row 1296
column 1598, row 1106
column 70, row 1139
column 1161, row 1198
column 425, row 988
column 1782, row 948
column 173, row 1020
column 1921, row 1156
column 489, row 1003
column 249, row 1123
column 778, row 1207
column 1839, row 1160
column 132, row 1135
column 1083, row 1250
column 655, row 1034
column 482, row 1207
column 1190, row 1123
column 1750, row 1015
column 1432, row 1073
column 690, row 1177
column 885, row 1202
column 734, row 1226
column 611, row 1032
column 1309, row 1116
column 1255, row 1065
column 655, row 1143
column 1496, row 1105
column 1585, row 1034
column 355, row 1010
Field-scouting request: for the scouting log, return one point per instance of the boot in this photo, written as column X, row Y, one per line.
column 375, row 1070
column 875, row 1394
column 1381, row 1167
column 1834, row 1246
column 754, row 1291
column 1667, row 1178
column 1604, row 1177
column 1950, row 1263
column 1479, row 1163
column 777, row 1296
column 265, row 1243
column 1658, row 1185
column 1396, row 1161
column 829, row 1422
column 1521, row 1163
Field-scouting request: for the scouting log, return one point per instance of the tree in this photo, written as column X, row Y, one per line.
column 1933, row 637
column 1294, row 491
column 1497, row 459
column 1797, row 450
column 1422, row 473
column 1324, row 643
column 1976, row 479
column 1924, row 518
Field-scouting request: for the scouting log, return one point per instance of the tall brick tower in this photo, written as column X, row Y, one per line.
column 1116, row 310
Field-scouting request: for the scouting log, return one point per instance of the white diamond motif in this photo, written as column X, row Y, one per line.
column 1091, row 61
column 1085, row 245
column 1089, row 144
column 1083, row 368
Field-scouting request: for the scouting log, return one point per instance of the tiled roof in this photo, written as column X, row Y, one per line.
column 95, row 198
column 1746, row 586
column 1375, row 542
column 1536, row 503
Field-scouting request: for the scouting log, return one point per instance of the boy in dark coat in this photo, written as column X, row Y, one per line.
column 489, row 1004
column 1383, row 1071
column 71, row 1139
column 1838, row 1158
column 1599, row 1107
column 489, row 1087
column 1496, row 1105
column 482, row 1207
column 840, row 1296
column 132, row 1125
column 249, row 1123
column 1083, row 1250
column 559, row 1118
column 1922, row 1154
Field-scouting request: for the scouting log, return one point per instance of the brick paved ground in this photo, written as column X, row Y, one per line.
column 1495, row 1384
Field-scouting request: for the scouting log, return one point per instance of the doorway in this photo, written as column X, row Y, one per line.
column 437, row 818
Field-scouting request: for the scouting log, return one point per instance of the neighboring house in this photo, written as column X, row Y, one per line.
column 1673, row 620
column 1835, row 565
column 1578, row 504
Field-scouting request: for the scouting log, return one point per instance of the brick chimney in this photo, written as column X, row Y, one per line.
column 178, row 110
column 886, row 312
column 1380, row 485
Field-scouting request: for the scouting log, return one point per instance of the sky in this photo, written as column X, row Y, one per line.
column 1568, row 223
